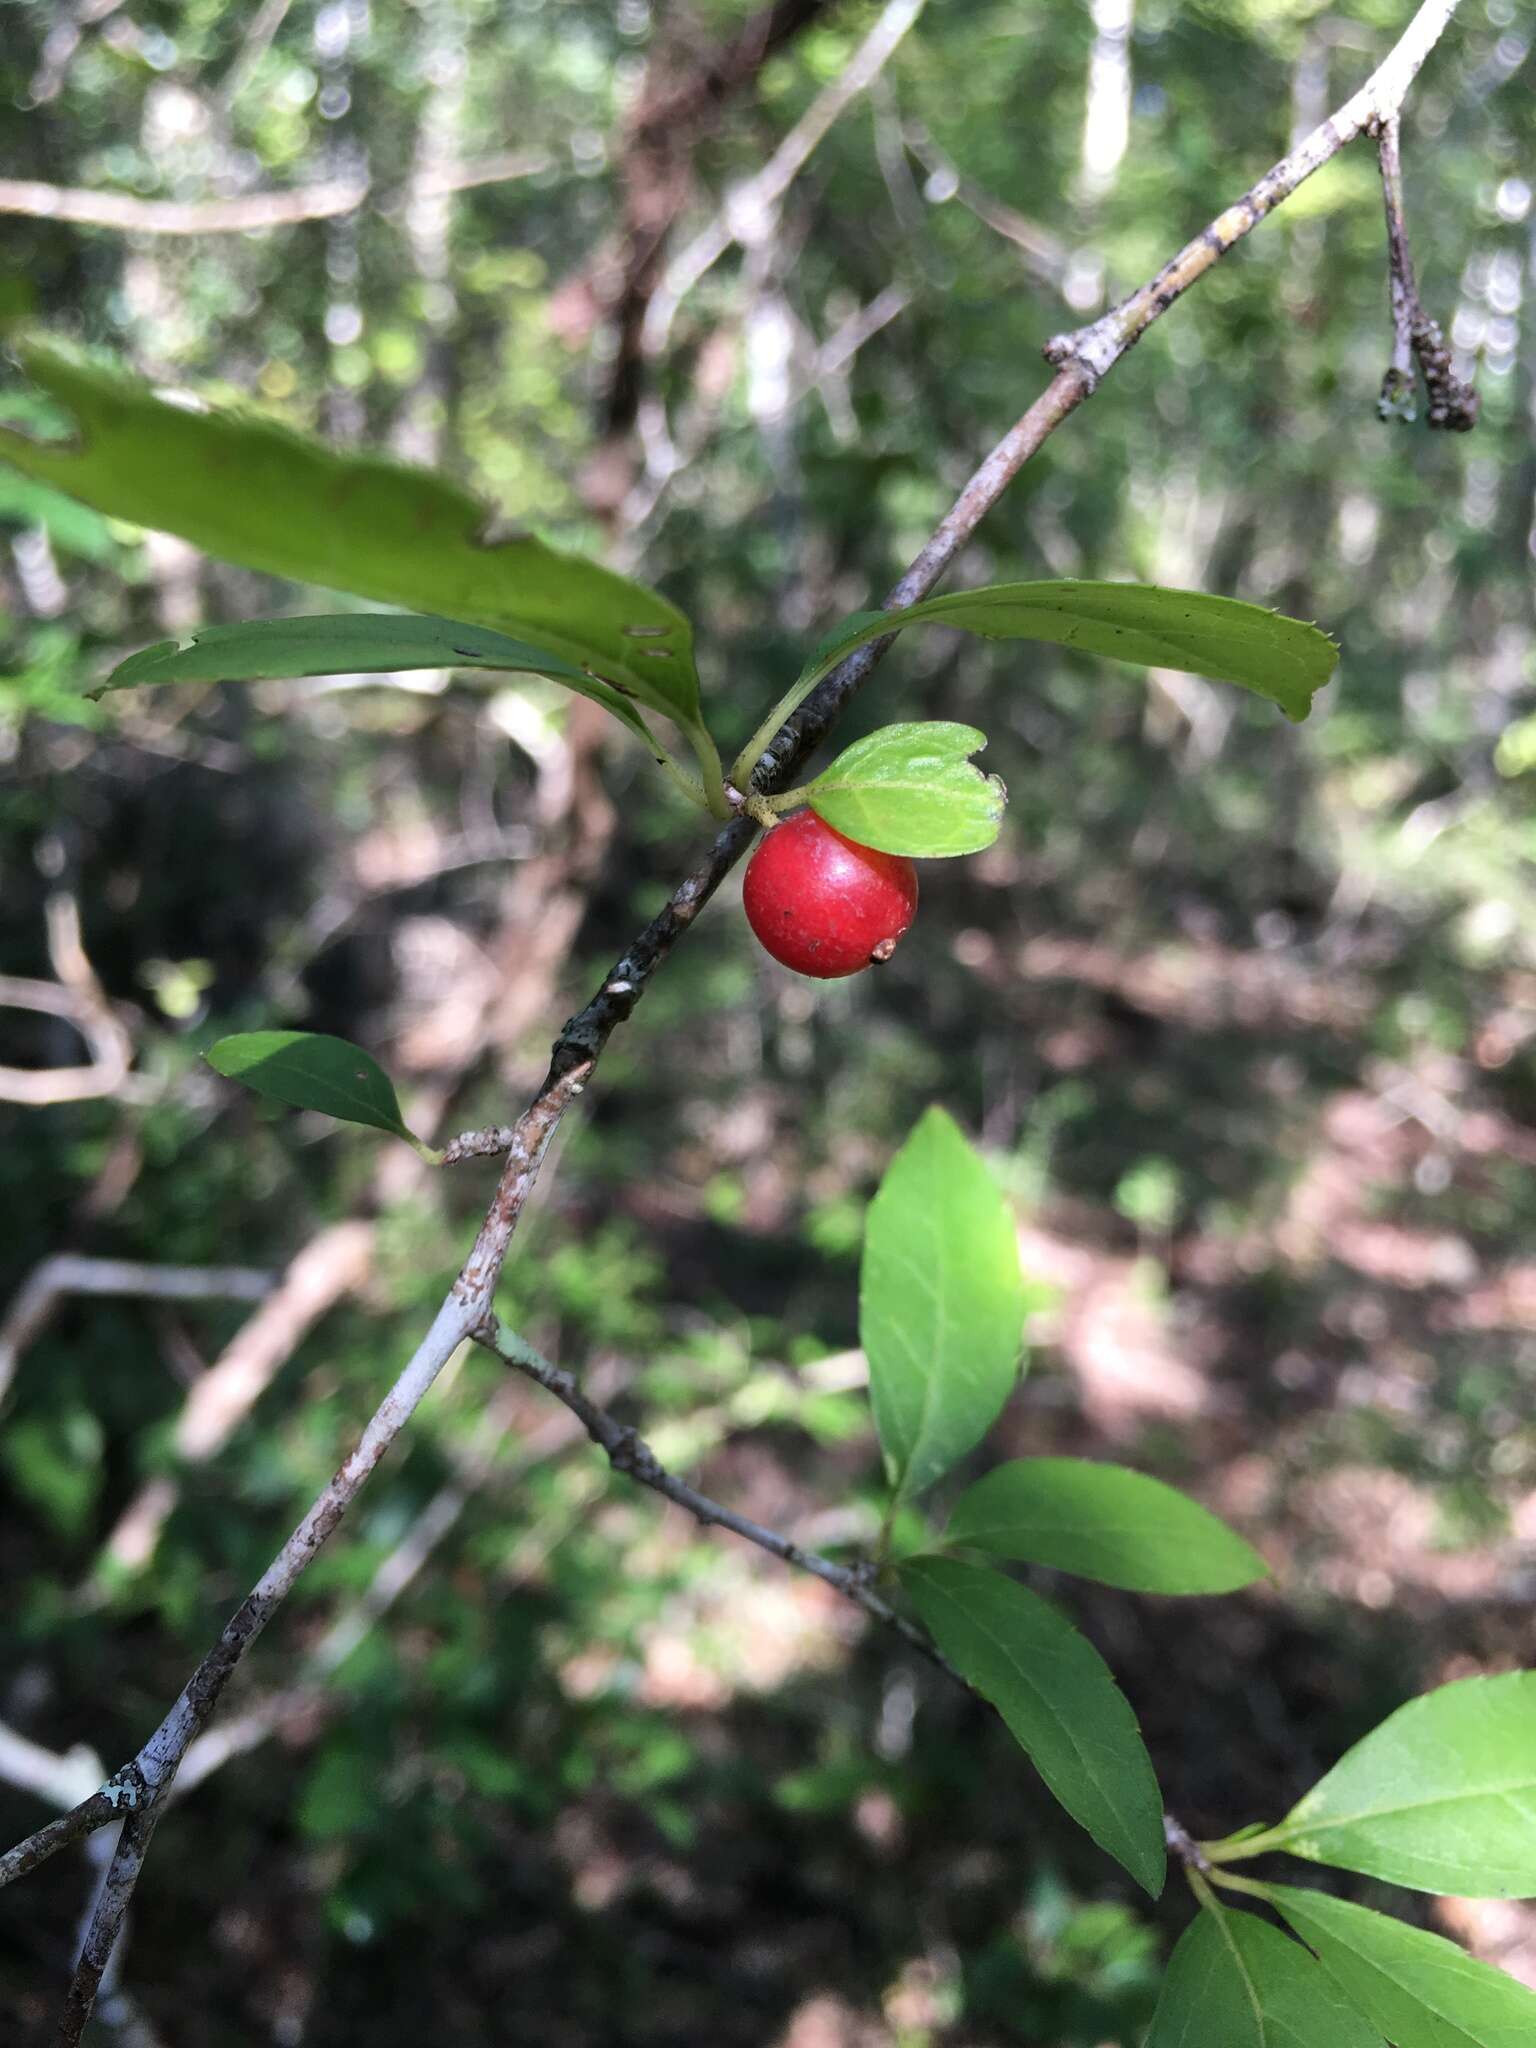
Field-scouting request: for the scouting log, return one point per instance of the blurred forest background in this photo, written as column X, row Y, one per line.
column 1242, row 1013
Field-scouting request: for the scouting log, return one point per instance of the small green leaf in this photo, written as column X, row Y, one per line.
column 941, row 1303
column 1236, row 1982
column 1421, row 1990
column 1103, row 1522
column 1058, row 1697
column 311, row 1071
column 249, row 490
column 352, row 643
column 1278, row 658
column 1440, row 1797
column 911, row 789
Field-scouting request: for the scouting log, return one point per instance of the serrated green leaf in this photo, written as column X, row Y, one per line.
column 1058, row 1697
column 1103, row 1522
column 351, row 643
column 1282, row 659
column 1421, row 1990
column 1441, row 1797
column 308, row 1070
column 1235, row 1982
column 912, row 789
column 249, row 490
column 941, row 1303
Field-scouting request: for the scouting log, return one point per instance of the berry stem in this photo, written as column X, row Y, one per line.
column 788, row 799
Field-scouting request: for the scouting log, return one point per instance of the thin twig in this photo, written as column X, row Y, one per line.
column 106, row 1923
column 474, row 1469
column 1416, row 336
column 862, row 325
column 144, row 1781
column 59, row 47
column 1083, row 358
column 489, row 1143
column 122, row 1793
column 67, row 1273
column 750, row 206
column 333, row 1264
column 110, row 1045
column 628, row 1452
column 747, row 217
column 143, row 1784
column 259, row 37
column 61, row 1780
column 682, row 100
column 1044, row 255
column 249, row 212
column 1098, row 347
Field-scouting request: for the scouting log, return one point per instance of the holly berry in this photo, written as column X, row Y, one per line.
column 823, row 904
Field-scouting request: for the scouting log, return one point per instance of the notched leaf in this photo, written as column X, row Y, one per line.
column 913, row 789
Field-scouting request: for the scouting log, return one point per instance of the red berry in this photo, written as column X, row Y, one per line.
column 823, row 904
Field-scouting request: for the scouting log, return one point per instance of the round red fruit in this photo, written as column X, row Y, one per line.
column 823, row 904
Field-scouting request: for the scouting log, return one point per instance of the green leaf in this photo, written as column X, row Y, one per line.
column 1278, row 658
column 911, row 789
column 1441, row 1797
column 941, row 1303
column 1235, row 1982
column 247, row 489
column 351, row 643
column 1421, row 1990
column 1103, row 1522
column 69, row 525
column 828, row 651
column 1058, row 1697
column 310, row 1071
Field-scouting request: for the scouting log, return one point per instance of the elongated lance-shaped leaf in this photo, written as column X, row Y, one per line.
column 941, row 1303
column 1421, row 1990
column 308, row 1070
column 1058, row 1698
column 912, row 789
column 1103, row 1522
column 352, row 643
column 1279, row 658
column 244, row 488
column 1440, row 1797
column 1235, row 1982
